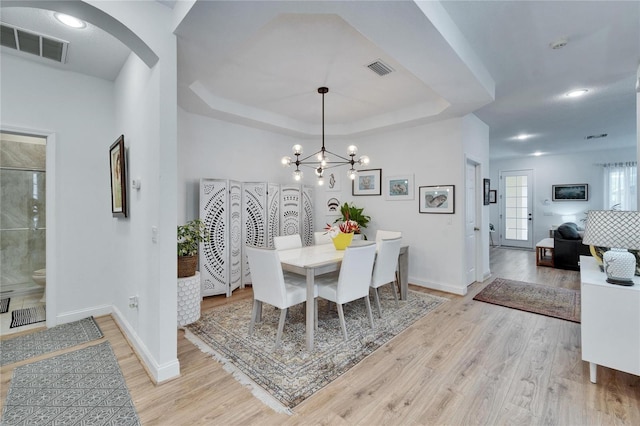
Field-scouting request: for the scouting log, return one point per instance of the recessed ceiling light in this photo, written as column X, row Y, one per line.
column 522, row 136
column 69, row 21
column 537, row 154
column 576, row 93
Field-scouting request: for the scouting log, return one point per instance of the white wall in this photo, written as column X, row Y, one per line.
column 558, row 169
column 146, row 112
column 433, row 153
column 79, row 110
column 99, row 261
column 212, row 148
column 475, row 139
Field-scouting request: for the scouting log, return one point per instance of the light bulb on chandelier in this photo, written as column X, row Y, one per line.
column 320, row 161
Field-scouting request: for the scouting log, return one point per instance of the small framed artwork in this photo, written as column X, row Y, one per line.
column 333, row 181
column 118, row 178
column 367, row 182
column 437, row 199
column 398, row 187
column 486, row 185
column 493, row 195
column 332, row 206
column 571, row 192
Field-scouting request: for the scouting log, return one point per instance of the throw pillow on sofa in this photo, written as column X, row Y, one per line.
column 569, row 231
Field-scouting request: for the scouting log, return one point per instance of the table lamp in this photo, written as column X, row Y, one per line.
column 618, row 230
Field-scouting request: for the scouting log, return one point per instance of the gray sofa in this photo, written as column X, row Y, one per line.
column 568, row 247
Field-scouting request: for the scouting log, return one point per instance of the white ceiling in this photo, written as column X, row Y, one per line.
column 91, row 51
column 260, row 63
column 602, row 55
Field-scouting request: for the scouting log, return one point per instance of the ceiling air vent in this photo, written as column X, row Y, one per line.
column 602, row 135
column 33, row 43
column 380, row 68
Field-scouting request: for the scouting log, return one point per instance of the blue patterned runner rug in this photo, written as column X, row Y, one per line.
column 84, row 387
column 53, row 339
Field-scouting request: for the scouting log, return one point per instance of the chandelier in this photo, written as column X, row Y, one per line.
column 320, row 161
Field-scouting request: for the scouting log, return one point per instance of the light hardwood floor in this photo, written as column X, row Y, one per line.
column 468, row 362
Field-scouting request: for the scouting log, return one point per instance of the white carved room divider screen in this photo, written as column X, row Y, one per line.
column 251, row 213
column 221, row 256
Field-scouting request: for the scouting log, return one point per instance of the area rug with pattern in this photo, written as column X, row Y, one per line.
column 284, row 377
column 26, row 316
column 554, row 302
column 4, row 305
column 53, row 339
column 83, row 387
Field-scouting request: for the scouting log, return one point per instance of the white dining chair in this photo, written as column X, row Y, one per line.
column 385, row 235
column 285, row 242
column 322, row 237
column 353, row 281
column 381, row 235
column 270, row 286
column 384, row 269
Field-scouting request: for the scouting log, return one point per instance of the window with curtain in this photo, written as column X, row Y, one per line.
column 620, row 186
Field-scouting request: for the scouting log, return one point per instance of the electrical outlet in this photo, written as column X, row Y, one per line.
column 133, row 302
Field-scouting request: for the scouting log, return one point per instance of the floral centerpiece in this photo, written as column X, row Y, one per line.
column 353, row 213
column 342, row 234
column 346, row 227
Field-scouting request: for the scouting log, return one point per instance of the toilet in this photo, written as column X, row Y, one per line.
column 40, row 278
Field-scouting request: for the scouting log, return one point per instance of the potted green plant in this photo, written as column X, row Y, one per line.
column 190, row 235
column 351, row 212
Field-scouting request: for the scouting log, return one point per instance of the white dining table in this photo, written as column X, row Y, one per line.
column 319, row 259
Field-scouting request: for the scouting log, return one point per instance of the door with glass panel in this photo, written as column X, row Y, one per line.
column 516, row 204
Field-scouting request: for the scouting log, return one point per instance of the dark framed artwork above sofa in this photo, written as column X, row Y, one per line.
column 570, row 192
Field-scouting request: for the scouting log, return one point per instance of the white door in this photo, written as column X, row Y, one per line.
column 516, row 206
column 470, row 222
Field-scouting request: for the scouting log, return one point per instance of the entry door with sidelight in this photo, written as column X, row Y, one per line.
column 517, row 206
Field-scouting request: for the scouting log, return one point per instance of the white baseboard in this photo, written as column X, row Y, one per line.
column 442, row 287
column 158, row 372
column 71, row 316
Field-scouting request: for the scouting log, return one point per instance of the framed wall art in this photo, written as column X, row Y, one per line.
column 398, row 187
column 571, row 192
column 332, row 206
column 333, row 180
column 486, row 183
column 437, row 199
column 367, row 182
column 493, row 195
column 118, row 178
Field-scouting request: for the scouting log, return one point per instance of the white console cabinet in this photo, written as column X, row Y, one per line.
column 610, row 322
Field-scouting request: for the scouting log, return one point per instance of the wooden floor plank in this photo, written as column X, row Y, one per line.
column 467, row 362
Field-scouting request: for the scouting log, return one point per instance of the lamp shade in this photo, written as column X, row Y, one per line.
column 613, row 228
column 618, row 230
